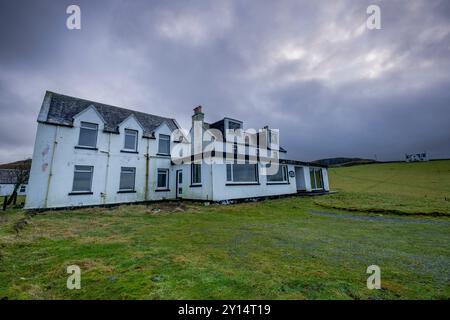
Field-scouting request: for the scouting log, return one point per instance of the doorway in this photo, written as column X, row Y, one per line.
column 179, row 184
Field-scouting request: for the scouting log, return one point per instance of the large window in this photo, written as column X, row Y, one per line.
column 315, row 175
column 82, row 179
column 163, row 179
column 196, row 170
column 131, row 140
column 127, row 178
column 88, row 135
column 242, row 172
column 164, row 144
column 280, row 176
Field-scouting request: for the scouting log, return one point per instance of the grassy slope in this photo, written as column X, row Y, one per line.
column 421, row 188
column 268, row 250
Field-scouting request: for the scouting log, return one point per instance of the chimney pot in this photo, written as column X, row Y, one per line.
column 198, row 110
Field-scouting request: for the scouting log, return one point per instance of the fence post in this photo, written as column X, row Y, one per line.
column 5, row 201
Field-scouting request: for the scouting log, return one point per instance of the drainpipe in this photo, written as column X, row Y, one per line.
column 147, row 160
column 55, row 143
column 107, row 168
column 212, row 182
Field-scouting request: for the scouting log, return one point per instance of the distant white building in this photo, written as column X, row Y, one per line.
column 413, row 157
column 87, row 153
column 8, row 179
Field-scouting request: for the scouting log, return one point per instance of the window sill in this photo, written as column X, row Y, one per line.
column 162, row 190
column 242, row 184
column 129, row 151
column 275, row 183
column 80, row 193
column 163, row 154
column 126, row 191
column 195, row 185
column 86, row 148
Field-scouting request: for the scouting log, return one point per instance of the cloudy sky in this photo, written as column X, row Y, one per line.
column 310, row 68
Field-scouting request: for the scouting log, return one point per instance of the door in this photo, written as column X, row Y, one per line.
column 179, row 184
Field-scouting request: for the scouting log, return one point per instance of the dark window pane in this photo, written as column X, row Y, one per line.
column 279, row 176
column 130, row 139
column 88, row 135
column 319, row 179
column 164, row 144
column 127, row 178
column 244, row 173
column 229, row 178
column 312, row 178
column 162, row 179
column 196, row 173
column 82, row 179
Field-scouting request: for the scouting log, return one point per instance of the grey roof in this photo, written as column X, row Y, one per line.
column 8, row 176
column 60, row 109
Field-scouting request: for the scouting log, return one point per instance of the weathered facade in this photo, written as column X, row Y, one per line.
column 87, row 153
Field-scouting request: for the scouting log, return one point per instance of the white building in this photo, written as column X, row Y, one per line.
column 8, row 179
column 87, row 153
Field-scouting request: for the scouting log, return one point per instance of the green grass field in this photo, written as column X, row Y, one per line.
column 290, row 248
column 409, row 188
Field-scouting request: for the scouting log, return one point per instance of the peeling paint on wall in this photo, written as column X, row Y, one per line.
column 46, row 150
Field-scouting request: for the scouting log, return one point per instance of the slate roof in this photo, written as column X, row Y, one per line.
column 60, row 109
column 8, row 176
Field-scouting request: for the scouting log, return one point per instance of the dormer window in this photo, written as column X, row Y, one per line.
column 164, row 144
column 88, row 135
column 234, row 125
column 131, row 140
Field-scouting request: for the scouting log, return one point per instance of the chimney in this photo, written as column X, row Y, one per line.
column 198, row 114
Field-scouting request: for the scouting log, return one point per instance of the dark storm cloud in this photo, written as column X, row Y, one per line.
column 310, row 68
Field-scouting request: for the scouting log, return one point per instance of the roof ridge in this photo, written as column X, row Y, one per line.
column 108, row 105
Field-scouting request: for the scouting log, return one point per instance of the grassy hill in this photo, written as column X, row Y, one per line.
column 412, row 188
column 21, row 164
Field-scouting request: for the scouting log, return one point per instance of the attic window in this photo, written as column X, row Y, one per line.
column 88, row 135
column 233, row 125
column 164, row 144
column 131, row 141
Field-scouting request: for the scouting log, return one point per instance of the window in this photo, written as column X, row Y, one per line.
column 280, row 176
column 82, row 179
column 127, row 178
column 88, row 135
column 196, row 173
column 242, row 172
column 23, row 188
column 233, row 125
column 315, row 175
column 163, row 179
column 164, row 144
column 131, row 140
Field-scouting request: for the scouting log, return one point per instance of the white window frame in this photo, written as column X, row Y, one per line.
column 163, row 137
column 241, row 182
column 90, row 170
column 167, row 179
column 84, row 127
column 136, row 135
column 123, row 171
column 198, row 165
column 285, row 178
column 312, row 172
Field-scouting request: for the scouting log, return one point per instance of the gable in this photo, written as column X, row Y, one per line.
column 60, row 109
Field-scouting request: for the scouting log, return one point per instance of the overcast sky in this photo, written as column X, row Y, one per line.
column 310, row 68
